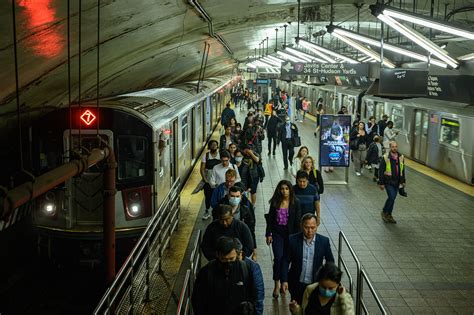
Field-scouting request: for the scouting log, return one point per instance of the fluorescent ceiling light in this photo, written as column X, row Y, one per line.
column 427, row 22
column 398, row 50
column 369, row 52
column 467, row 57
column 271, row 61
column 275, row 59
column 290, row 57
column 262, row 63
column 251, row 65
column 419, row 40
column 314, row 47
column 303, row 54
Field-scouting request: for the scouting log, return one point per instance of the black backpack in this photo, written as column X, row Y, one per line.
column 210, row 163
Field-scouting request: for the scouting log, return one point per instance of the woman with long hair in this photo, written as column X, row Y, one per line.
column 315, row 178
column 302, row 152
column 282, row 219
column 358, row 140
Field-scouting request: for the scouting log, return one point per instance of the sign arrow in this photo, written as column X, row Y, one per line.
column 287, row 67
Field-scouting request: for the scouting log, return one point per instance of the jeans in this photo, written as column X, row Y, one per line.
column 288, row 152
column 274, row 139
column 304, row 114
column 280, row 245
column 208, row 194
column 392, row 192
column 359, row 158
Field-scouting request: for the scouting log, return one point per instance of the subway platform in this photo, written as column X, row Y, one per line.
column 421, row 265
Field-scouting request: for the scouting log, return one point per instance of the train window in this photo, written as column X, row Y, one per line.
column 132, row 153
column 397, row 117
column 369, row 110
column 184, row 130
column 162, row 143
column 379, row 110
column 449, row 132
column 87, row 144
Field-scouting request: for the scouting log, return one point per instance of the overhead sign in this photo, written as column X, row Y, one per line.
column 454, row 88
column 263, row 81
column 88, row 117
column 334, row 141
column 403, row 82
column 325, row 69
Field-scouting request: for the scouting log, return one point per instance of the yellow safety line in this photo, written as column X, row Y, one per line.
column 438, row 176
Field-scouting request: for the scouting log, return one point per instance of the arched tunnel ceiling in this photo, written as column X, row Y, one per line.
column 151, row 43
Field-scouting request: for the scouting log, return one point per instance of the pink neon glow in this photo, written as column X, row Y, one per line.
column 39, row 14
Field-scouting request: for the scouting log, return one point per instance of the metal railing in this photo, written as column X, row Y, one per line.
column 184, row 303
column 361, row 276
column 131, row 286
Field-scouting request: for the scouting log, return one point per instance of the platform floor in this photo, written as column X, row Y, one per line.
column 422, row 265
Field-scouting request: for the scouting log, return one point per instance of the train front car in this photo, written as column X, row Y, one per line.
column 69, row 217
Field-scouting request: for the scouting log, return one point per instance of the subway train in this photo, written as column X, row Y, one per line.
column 433, row 132
column 156, row 135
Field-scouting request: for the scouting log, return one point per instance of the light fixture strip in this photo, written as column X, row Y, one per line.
column 428, row 23
column 305, row 55
column 272, row 62
column 276, row 59
column 326, row 58
column 327, row 51
column 389, row 47
column 365, row 50
column 419, row 39
column 289, row 57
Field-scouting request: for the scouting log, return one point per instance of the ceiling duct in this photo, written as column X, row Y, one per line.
column 197, row 6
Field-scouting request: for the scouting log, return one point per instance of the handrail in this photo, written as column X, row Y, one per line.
column 361, row 275
column 187, row 290
column 137, row 265
column 342, row 237
column 372, row 290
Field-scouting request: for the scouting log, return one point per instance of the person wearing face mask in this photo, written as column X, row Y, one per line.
column 326, row 296
column 244, row 170
column 240, row 211
column 288, row 132
column 306, row 252
column 238, row 134
column 223, row 189
column 224, row 283
column 209, row 160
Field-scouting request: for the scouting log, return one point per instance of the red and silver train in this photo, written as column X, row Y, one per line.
column 156, row 135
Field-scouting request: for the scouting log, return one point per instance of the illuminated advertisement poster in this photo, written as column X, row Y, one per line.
column 334, row 142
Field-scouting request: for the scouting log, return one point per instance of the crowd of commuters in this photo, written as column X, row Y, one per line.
column 303, row 263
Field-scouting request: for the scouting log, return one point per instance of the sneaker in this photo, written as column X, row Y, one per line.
column 358, row 173
column 384, row 217
column 391, row 219
column 206, row 215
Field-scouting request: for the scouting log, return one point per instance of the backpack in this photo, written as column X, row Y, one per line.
column 246, row 278
column 210, row 163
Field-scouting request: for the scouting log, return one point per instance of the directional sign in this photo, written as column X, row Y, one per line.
column 87, row 117
column 325, row 69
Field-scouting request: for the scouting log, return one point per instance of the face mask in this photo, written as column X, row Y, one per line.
column 239, row 159
column 327, row 293
column 234, row 201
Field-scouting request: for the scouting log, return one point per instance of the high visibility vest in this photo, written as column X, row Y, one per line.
column 388, row 165
column 268, row 109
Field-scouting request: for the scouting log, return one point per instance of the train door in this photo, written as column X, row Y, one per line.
column 85, row 199
column 193, row 129
column 420, row 135
column 162, row 162
column 174, row 151
column 207, row 118
column 379, row 110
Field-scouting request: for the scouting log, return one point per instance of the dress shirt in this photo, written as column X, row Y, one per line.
column 308, row 258
column 288, row 130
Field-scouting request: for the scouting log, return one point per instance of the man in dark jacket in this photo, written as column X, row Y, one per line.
column 307, row 250
column 272, row 131
column 392, row 179
column 227, row 114
column 224, row 283
column 226, row 225
column 287, row 133
column 240, row 209
column 382, row 124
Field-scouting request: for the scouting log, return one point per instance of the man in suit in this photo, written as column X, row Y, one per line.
column 287, row 132
column 307, row 250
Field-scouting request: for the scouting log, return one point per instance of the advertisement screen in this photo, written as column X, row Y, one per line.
column 334, row 141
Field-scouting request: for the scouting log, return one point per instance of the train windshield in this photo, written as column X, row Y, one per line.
column 132, row 154
column 449, row 132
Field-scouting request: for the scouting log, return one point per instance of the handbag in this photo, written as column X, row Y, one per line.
column 354, row 144
column 296, row 141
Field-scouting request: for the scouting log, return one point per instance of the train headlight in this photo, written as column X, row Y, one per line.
column 49, row 204
column 135, row 210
